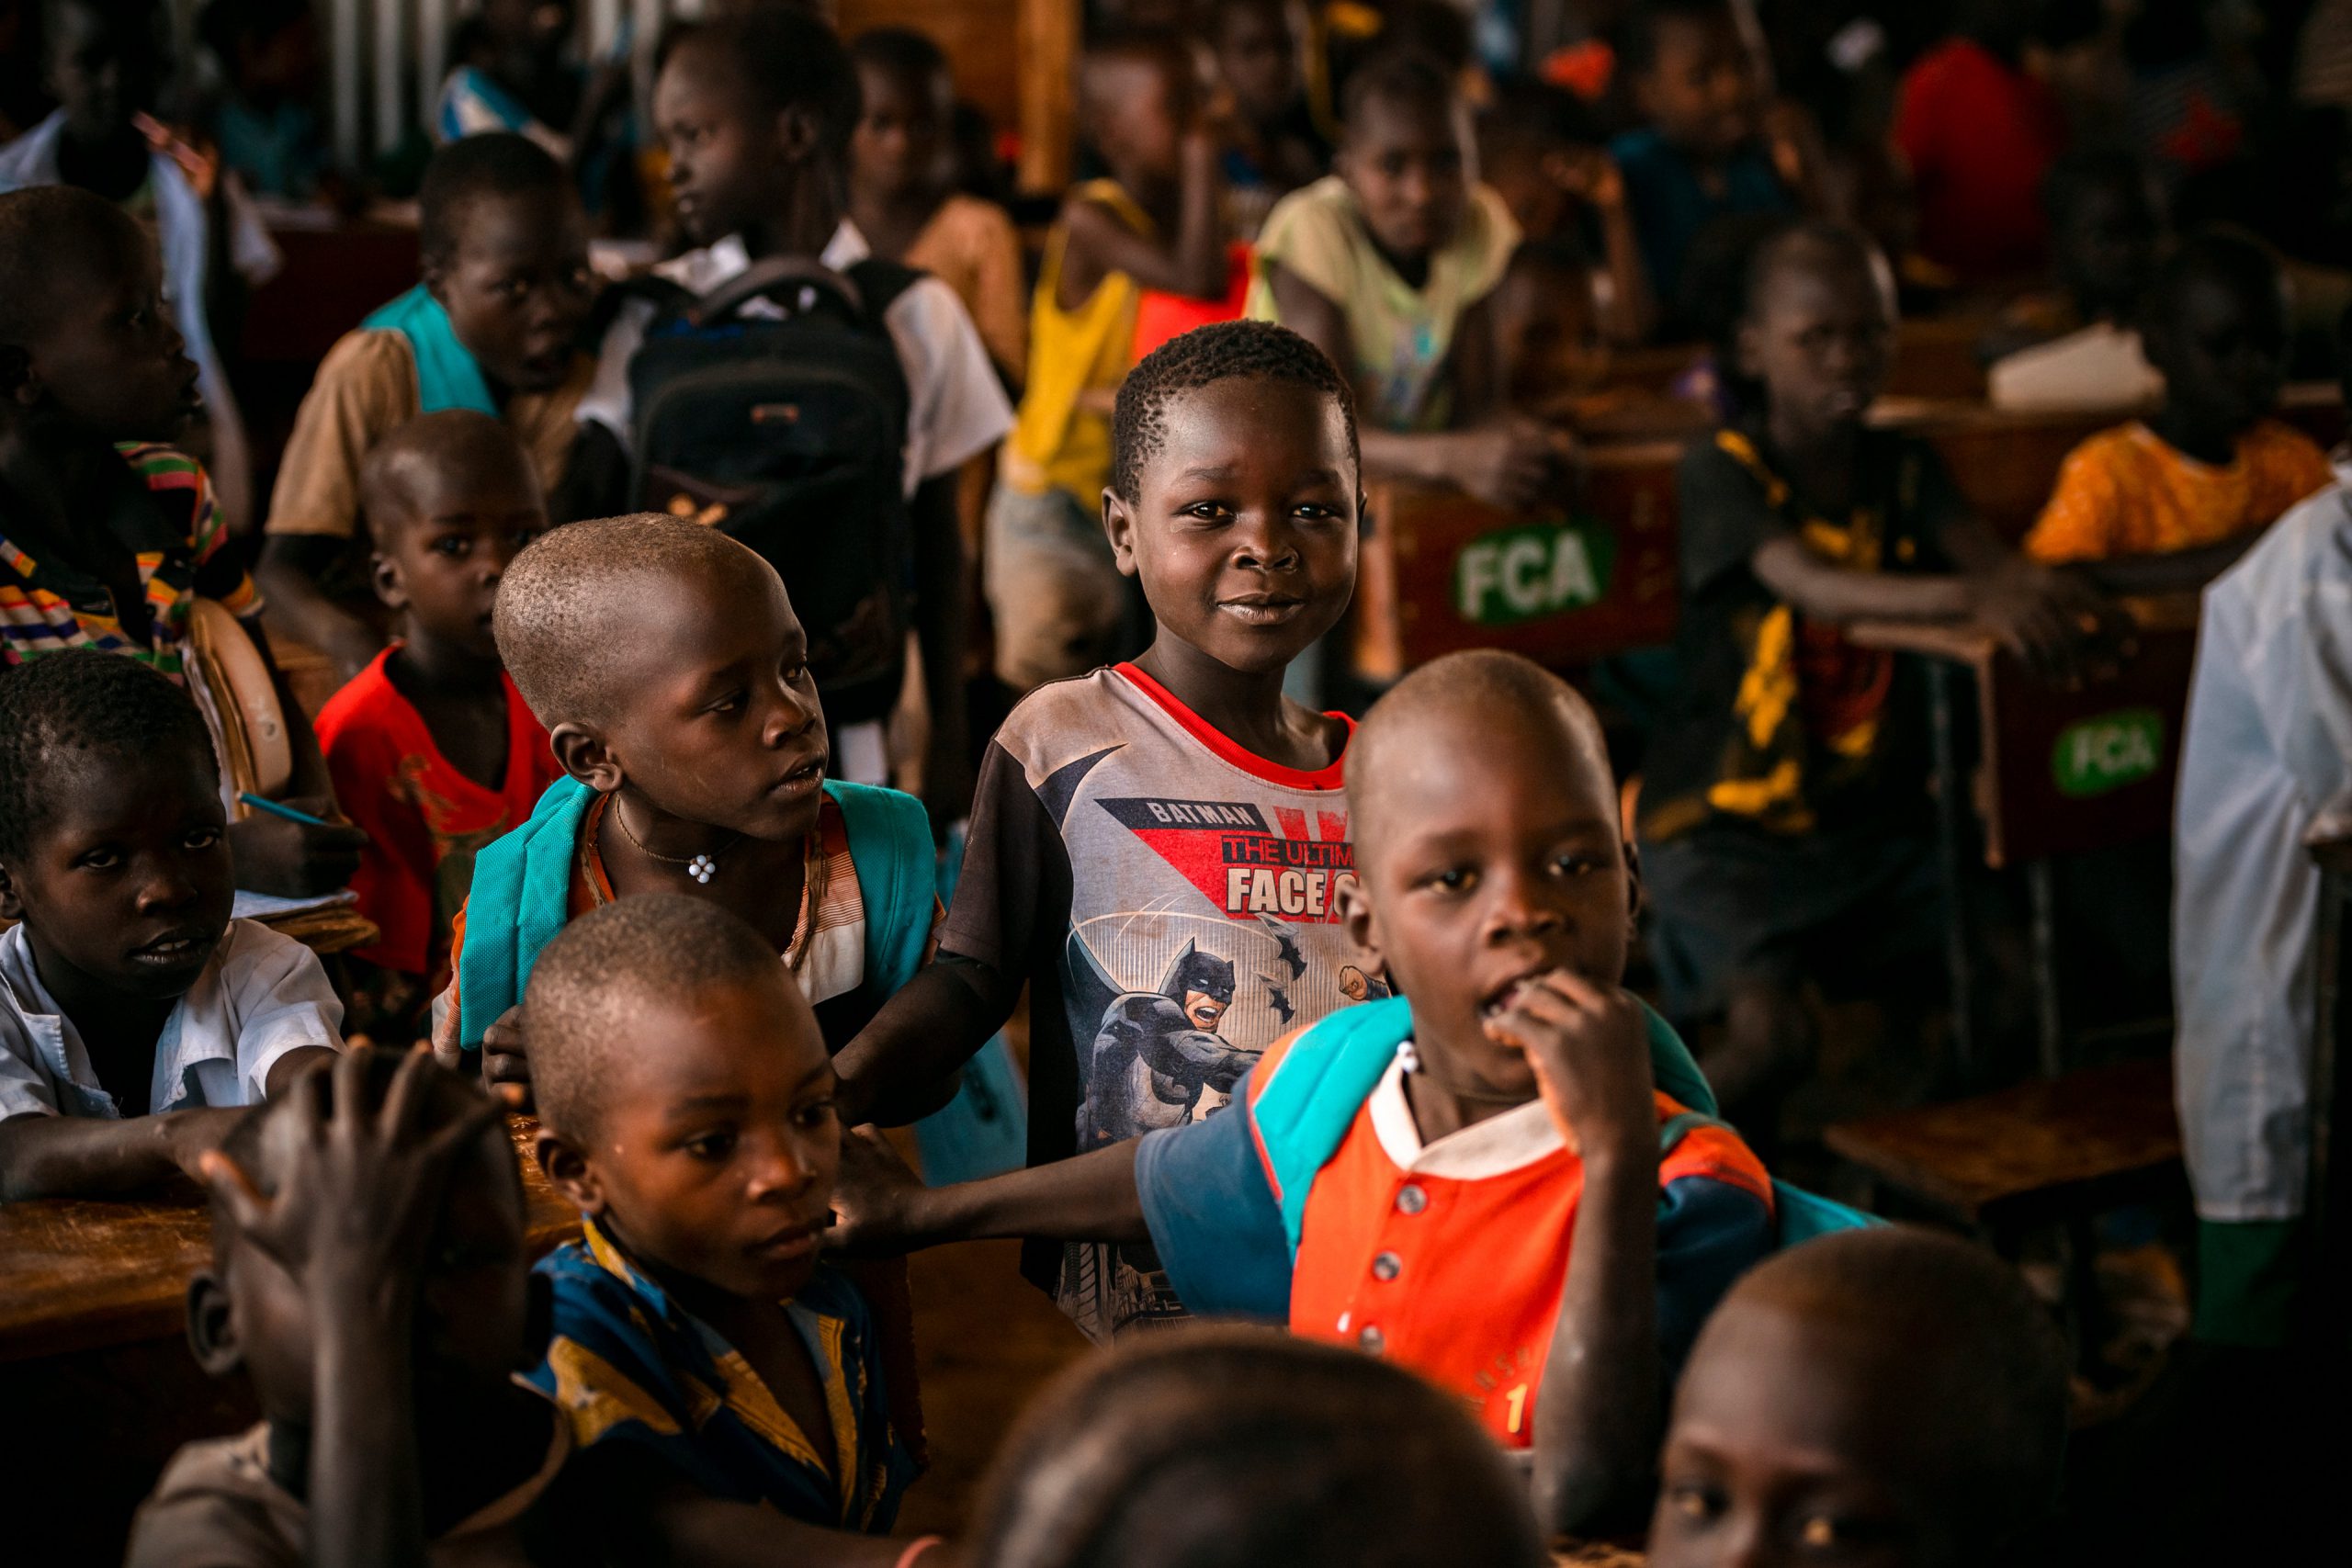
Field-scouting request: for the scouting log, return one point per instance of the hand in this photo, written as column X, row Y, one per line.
column 1589, row 175
column 190, row 1135
column 2058, row 627
column 1509, row 464
column 1589, row 1047
column 506, row 1065
column 294, row 860
column 360, row 1190
column 874, row 1198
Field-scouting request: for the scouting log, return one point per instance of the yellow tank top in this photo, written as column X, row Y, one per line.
column 1057, row 445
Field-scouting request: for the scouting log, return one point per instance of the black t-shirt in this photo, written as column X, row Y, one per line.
column 1780, row 723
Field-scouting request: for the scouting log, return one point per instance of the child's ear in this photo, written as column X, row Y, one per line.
column 435, row 275
column 212, row 1326
column 569, row 1172
column 586, row 757
column 12, row 907
column 1747, row 350
column 391, row 587
column 796, row 133
column 1356, row 919
column 1119, row 528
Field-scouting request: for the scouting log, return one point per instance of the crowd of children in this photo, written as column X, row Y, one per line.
column 887, row 623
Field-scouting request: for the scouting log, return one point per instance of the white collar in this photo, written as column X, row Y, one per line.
column 197, row 1030
column 1499, row 1144
column 706, row 268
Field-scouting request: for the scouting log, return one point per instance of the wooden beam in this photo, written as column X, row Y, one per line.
column 1049, row 38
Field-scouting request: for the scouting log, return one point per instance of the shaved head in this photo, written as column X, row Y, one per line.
column 569, row 597
column 436, row 455
column 600, row 988
column 54, row 238
column 1481, row 691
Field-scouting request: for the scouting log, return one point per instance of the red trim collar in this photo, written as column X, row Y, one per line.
column 1329, row 776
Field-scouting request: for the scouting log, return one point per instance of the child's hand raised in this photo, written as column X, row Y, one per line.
column 1509, row 464
column 1589, row 1047
column 874, row 1198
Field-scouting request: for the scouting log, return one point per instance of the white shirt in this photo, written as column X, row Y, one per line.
column 2102, row 366
column 262, row 996
column 2268, row 747
column 955, row 406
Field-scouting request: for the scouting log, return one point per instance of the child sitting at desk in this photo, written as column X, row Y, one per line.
column 1479, row 1179
column 108, row 537
column 1386, row 266
column 135, row 1013
column 701, row 1348
column 2081, row 349
column 2166, row 504
column 1889, row 1395
column 507, row 288
column 1784, row 814
column 431, row 748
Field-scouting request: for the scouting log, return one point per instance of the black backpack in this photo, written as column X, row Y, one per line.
column 788, row 431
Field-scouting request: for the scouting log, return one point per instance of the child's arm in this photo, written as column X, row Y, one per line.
column 288, row 571
column 880, row 1207
column 1191, row 261
column 351, row 1221
column 69, row 1156
column 1599, row 1411
column 274, row 854
column 2178, row 571
column 1593, row 178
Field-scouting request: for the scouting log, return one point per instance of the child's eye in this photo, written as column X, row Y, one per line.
column 816, row 1113
column 98, row 860
column 202, row 839
column 454, row 546
column 1695, row 1504
column 1453, row 878
column 711, row 1146
column 1574, row 864
column 1315, row 512
column 792, row 674
column 1207, row 510
column 731, row 703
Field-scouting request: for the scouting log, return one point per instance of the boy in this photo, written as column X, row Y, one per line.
column 2165, row 504
column 1157, row 849
column 667, row 664
column 506, row 288
column 1540, row 151
column 1273, row 147
column 431, row 748
column 1979, row 128
column 1385, row 265
column 2107, row 229
column 757, row 111
column 700, row 1347
column 105, row 68
column 1058, row 604
column 1467, row 1179
column 135, row 1013
column 1702, row 155
column 367, row 1279
column 1886, row 1395
column 107, row 536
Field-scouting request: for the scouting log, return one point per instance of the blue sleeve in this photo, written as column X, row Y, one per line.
column 1213, row 1219
column 1709, row 1234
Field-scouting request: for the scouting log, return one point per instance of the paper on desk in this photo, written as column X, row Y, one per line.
column 267, row 906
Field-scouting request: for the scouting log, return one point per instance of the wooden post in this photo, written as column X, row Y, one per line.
column 1049, row 38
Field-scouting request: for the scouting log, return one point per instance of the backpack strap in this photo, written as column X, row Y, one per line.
column 897, row 870
column 880, row 282
column 448, row 375
column 774, row 277
column 519, row 898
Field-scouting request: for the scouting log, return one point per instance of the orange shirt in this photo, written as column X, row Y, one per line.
column 2127, row 491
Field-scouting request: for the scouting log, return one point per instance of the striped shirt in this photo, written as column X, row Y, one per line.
column 48, row 604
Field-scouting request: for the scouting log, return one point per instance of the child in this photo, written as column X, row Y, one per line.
column 901, row 198
column 699, row 1345
column 1783, row 812
column 1979, row 129
column 1273, row 147
column 2107, row 229
column 431, row 748
column 2165, row 504
column 367, row 1279
column 1387, row 265
column 1887, row 1395
column 111, row 537
column 1702, row 156
column 666, row 661
column 135, row 1013
column 106, row 69
column 1157, row 849
column 267, row 119
column 1058, row 604
column 1468, row 1179
column 1236, row 1446
column 757, row 111
column 1538, row 150
column 507, row 288
column 513, row 74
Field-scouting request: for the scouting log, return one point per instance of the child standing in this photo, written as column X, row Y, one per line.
column 1492, row 1180
column 430, row 747
column 2166, row 504
column 135, row 1013
column 902, row 199
column 1058, row 604
column 700, row 1345
column 107, row 537
column 1385, row 265
column 506, row 288
column 1783, row 817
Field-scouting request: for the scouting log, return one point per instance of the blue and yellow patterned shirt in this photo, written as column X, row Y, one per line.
column 627, row 1364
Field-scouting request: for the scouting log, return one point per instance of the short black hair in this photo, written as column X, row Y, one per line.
column 494, row 164
column 1223, row 351
column 51, row 235
column 80, row 702
column 902, row 51
column 1409, row 79
column 1638, row 35
column 2231, row 258
column 790, row 60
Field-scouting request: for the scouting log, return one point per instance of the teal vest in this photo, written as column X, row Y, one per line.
column 448, row 375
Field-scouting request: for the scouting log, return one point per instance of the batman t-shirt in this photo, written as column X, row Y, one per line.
column 1173, row 902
